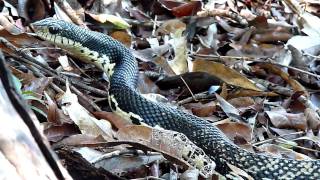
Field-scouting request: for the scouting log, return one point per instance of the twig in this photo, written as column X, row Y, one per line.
column 29, row 59
column 198, row 96
column 274, row 138
column 224, row 13
column 222, row 58
column 185, row 83
column 58, row 89
column 64, row 5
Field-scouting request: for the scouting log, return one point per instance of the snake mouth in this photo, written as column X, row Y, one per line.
column 38, row 30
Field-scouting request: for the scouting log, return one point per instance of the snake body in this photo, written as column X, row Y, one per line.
column 118, row 62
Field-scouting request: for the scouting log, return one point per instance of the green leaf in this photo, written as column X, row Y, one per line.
column 30, row 97
column 39, row 111
column 17, row 84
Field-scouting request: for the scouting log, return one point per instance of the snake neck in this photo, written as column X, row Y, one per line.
column 125, row 73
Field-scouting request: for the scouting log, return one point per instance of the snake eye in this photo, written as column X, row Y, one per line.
column 53, row 30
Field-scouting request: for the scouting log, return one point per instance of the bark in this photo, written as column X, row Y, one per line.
column 24, row 151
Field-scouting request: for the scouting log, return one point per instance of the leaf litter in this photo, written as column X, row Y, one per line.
column 249, row 67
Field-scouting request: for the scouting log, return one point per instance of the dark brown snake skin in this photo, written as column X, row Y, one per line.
column 202, row 133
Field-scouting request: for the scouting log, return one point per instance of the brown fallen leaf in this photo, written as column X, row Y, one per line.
column 188, row 9
column 296, row 86
column 202, row 110
column 169, row 143
column 312, row 119
column 249, row 93
column 236, row 129
column 80, row 139
column 171, row 26
column 123, row 37
column 282, row 119
column 241, row 102
column 279, row 151
column 55, row 132
column 223, row 72
column 113, row 118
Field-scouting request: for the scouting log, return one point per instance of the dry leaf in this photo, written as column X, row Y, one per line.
column 115, row 20
column 296, row 86
column 180, row 62
column 279, row 151
column 227, row 108
column 234, row 129
column 170, row 143
column 281, row 119
column 83, row 119
column 223, row 72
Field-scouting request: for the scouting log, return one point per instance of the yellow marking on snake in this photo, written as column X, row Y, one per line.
column 120, row 112
column 81, row 52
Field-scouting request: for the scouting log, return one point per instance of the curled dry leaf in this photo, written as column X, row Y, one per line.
column 202, row 110
column 279, row 151
column 170, row 143
column 79, row 139
column 83, row 119
column 117, row 21
column 127, row 164
column 123, row 37
column 171, row 26
column 188, row 9
column 312, row 118
column 281, row 119
column 223, row 72
column 113, row 118
column 180, row 62
column 55, row 133
column 63, row 60
column 296, row 86
column 227, row 108
column 52, row 111
column 235, row 129
column 8, row 24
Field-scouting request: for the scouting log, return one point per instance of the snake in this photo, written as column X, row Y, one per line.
column 119, row 63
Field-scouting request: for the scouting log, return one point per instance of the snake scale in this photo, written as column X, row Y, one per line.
column 119, row 63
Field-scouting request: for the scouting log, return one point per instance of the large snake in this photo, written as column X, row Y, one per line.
column 118, row 62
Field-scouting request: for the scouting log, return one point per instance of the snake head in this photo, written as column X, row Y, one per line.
column 61, row 33
column 48, row 29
